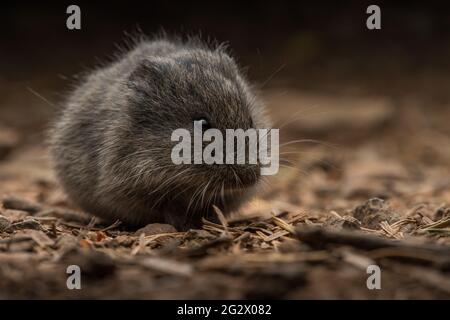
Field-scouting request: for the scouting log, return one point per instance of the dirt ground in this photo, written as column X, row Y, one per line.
column 368, row 183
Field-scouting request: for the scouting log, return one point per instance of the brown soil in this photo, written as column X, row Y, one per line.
column 374, row 189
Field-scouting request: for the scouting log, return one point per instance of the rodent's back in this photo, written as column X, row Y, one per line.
column 81, row 136
column 106, row 144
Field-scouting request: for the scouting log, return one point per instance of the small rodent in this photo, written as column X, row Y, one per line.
column 111, row 144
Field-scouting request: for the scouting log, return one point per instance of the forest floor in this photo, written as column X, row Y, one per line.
column 374, row 190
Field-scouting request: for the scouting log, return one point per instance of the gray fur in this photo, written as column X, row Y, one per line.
column 111, row 144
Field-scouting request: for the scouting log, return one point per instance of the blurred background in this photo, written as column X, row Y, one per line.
column 323, row 75
column 321, row 72
column 319, row 46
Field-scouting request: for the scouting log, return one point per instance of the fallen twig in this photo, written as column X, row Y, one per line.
column 317, row 237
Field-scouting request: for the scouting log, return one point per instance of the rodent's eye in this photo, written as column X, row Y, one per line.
column 205, row 123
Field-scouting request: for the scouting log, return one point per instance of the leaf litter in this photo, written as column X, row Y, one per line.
column 311, row 233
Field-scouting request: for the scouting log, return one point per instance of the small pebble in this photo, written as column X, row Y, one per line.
column 4, row 223
column 373, row 212
column 156, row 228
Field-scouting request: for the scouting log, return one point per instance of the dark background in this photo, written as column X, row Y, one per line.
column 320, row 46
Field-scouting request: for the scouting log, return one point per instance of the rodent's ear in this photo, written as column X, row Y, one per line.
column 147, row 70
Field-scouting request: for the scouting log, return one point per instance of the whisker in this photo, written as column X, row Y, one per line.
column 40, row 96
column 272, row 75
column 326, row 144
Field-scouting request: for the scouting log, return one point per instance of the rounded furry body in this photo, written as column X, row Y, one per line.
column 111, row 145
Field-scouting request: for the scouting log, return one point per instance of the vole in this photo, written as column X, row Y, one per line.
column 111, row 145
